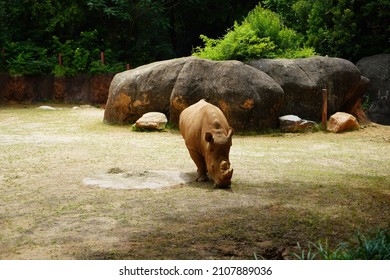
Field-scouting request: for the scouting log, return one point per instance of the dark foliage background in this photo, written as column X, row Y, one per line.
column 33, row 32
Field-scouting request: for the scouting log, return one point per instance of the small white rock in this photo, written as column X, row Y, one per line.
column 49, row 108
column 152, row 120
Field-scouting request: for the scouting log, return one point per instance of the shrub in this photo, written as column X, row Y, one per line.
column 75, row 59
column 260, row 35
column 97, row 67
column 25, row 58
column 82, row 57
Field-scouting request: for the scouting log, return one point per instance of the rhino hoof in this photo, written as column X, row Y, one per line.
column 202, row 178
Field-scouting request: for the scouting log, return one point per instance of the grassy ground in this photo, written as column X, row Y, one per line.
column 287, row 188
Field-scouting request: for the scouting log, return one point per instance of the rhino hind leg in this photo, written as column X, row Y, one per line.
column 201, row 165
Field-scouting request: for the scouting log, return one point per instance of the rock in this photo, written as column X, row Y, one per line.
column 152, row 121
column 303, row 80
column 87, row 106
column 356, row 107
column 292, row 123
column 379, row 110
column 49, row 108
column 144, row 89
column 83, row 107
column 252, row 97
column 341, row 121
column 249, row 98
column 377, row 69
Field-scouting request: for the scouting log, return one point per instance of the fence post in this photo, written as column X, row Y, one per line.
column 102, row 57
column 60, row 59
column 324, row 108
column 3, row 55
column 128, row 66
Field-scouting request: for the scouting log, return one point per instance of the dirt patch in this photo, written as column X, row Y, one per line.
column 116, row 178
column 73, row 187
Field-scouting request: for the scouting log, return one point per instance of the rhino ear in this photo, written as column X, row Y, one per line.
column 230, row 133
column 209, row 137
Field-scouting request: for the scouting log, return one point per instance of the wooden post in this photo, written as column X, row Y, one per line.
column 324, row 108
column 60, row 59
column 102, row 57
column 3, row 55
column 127, row 66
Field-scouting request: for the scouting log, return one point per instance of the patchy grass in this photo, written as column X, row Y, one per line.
column 287, row 188
column 375, row 247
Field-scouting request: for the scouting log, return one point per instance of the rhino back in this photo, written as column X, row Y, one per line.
column 199, row 118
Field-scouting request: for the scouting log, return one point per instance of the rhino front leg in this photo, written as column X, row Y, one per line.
column 202, row 177
column 201, row 165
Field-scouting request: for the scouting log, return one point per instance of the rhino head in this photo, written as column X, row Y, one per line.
column 217, row 157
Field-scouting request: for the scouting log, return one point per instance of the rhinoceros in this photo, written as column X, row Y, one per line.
column 208, row 138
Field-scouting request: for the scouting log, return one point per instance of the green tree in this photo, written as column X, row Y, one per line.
column 135, row 32
column 332, row 28
column 190, row 18
column 138, row 29
column 40, row 20
column 142, row 31
column 349, row 29
column 373, row 26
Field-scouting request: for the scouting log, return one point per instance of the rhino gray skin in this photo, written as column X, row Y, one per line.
column 208, row 138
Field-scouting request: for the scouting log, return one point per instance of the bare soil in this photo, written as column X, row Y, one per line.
column 72, row 187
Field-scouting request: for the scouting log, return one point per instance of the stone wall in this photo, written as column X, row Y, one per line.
column 42, row 88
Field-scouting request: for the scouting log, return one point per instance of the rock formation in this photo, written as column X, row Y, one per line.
column 377, row 69
column 303, row 80
column 249, row 98
column 144, row 89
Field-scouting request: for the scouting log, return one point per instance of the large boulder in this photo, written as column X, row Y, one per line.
column 303, row 80
column 144, row 89
column 249, row 98
column 377, row 69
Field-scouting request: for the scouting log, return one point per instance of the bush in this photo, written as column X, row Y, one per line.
column 25, row 58
column 81, row 57
column 75, row 58
column 260, row 35
column 97, row 67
